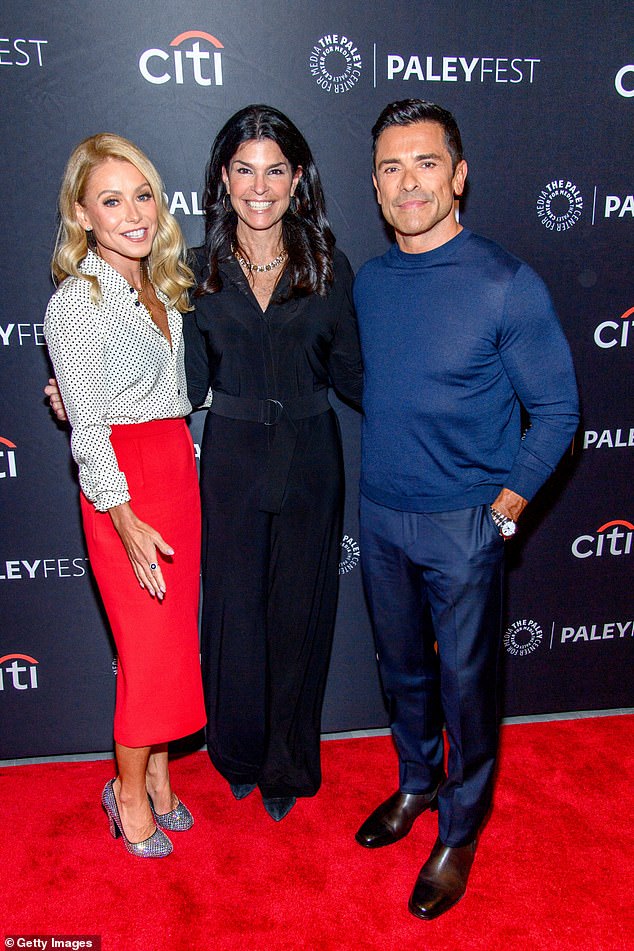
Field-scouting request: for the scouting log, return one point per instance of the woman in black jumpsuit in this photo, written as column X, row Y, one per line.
column 268, row 340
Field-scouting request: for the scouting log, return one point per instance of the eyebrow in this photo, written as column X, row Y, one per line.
column 116, row 191
column 417, row 158
column 268, row 167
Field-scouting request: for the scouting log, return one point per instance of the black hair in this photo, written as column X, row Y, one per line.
column 409, row 111
column 306, row 233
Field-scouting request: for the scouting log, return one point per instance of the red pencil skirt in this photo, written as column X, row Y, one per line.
column 159, row 690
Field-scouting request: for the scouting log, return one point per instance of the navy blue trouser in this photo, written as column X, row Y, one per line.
column 438, row 577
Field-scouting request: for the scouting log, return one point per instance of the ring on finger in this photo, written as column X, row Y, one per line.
column 153, row 566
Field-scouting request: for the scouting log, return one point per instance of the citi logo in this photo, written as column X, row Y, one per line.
column 614, row 538
column 615, row 333
column 8, row 468
column 19, row 676
column 203, row 65
column 624, row 81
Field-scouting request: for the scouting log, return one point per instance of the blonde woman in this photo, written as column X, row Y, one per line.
column 114, row 333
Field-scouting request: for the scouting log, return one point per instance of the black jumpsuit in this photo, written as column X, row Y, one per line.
column 272, row 498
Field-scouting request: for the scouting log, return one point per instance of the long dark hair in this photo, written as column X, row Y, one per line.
column 306, row 234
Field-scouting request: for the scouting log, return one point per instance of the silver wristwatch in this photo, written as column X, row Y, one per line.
column 505, row 525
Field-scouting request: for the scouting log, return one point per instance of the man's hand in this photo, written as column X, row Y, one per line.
column 510, row 504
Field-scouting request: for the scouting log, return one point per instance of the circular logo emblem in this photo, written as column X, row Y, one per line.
column 335, row 63
column 349, row 555
column 523, row 637
column 559, row 205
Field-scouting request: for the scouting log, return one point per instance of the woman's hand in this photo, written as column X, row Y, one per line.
column 55, row 400
column 141, row 542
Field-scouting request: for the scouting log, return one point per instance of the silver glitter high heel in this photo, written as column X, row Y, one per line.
column 177, row 820
column 157, row 846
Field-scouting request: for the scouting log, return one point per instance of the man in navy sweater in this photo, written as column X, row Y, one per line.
column 457, row 335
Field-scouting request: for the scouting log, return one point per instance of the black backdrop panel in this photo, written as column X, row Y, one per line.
column 544, row 94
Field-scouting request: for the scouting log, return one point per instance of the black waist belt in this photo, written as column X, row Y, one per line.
column 269, row 411
column 279, row 413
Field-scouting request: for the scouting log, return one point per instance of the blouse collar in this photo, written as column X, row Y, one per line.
column 109, row 279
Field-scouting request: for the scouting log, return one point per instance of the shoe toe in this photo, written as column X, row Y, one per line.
column 278, row 807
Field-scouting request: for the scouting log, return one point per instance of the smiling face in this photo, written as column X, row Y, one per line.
column 119, row 207
column 415, row 185
column 260, row 183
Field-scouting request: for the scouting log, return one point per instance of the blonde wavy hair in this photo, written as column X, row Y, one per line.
column 167, row 262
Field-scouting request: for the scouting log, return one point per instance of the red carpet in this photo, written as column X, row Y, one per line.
column 554, row 869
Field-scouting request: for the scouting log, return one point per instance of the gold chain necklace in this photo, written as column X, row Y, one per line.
column 259, row 268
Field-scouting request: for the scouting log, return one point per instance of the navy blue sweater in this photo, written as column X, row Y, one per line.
column 453, row 340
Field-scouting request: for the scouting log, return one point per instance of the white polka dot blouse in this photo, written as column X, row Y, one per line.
column 114, row 367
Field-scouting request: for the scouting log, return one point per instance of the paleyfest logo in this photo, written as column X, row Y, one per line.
column 335, row 63
column 203, row 62
column 559, row 205
column 19, row 52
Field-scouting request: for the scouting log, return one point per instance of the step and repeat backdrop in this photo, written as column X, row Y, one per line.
column 544, row 96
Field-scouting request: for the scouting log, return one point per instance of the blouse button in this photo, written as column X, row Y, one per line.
column 137, row 303
column 132, row 290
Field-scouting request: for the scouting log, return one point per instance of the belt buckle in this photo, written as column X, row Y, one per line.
column 276, row 409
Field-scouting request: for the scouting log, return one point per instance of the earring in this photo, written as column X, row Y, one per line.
column 224, row 202
column 293, row 205
column 87, row 230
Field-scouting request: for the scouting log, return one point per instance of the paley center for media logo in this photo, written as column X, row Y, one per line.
column 560, row 205
column 523, row 637
column 611, row 540
column 335, row 63
column 349, row 555
column 8, row 465
column 18, row 672
column 192, row 56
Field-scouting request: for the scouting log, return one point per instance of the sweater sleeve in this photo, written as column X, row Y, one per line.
column 75, row 341
column 537, row 360
column 344, row 362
